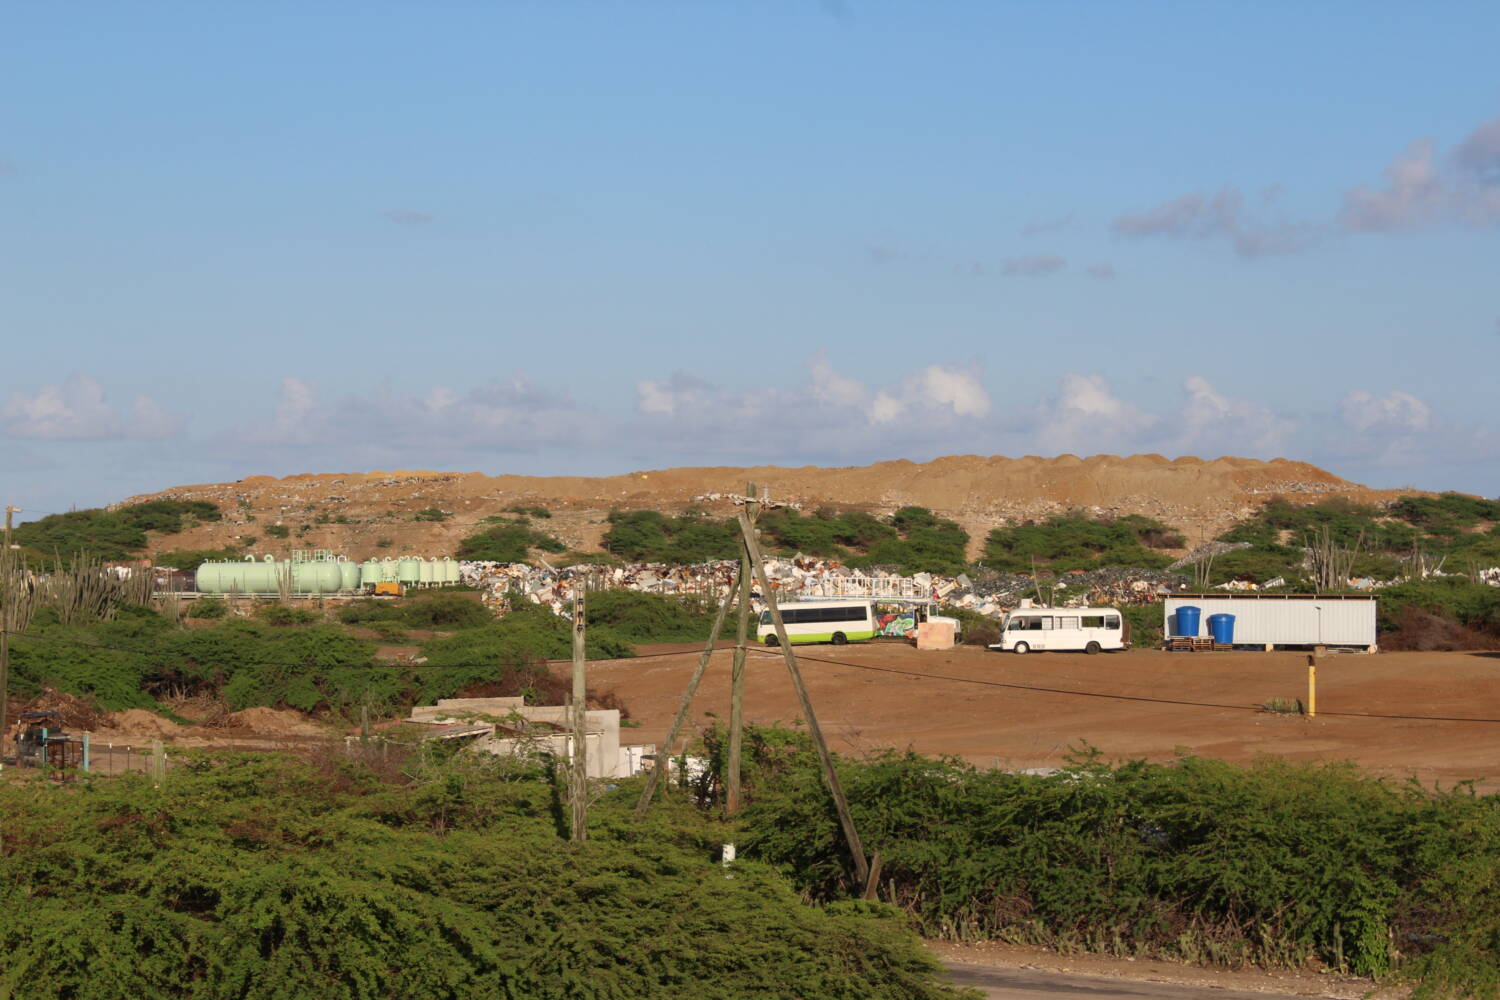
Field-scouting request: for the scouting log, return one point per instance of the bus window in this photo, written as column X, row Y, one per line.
column 1111, row 621
column 1068, row 623
column 1017, row 624
column 1093, row 621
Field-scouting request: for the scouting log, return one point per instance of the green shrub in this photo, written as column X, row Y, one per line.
column 1145, row 622
column 263, row 878
column 431, row 514
column 208, row 607
column 978, row 629
column 281, row 614
column 637, row 617
column 1075, row 541
column 444, row 609
column 651, row 536
column 510, row 541
column 383, row 543
column 278, row 531
column 529, row 511
column 1277, row 863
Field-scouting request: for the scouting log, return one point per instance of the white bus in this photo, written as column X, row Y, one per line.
column 837, row 622
column 1062, row 629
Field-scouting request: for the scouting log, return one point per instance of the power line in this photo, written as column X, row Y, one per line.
column 1104, row 695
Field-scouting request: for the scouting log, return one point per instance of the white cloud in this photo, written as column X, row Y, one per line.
column 1423, row 189
column 78, row 410
column 836, row 415
column 1036, row 266
column 1212, row 421
column 1086, row 417
column 1396, row 411
column 1223, row 216
column 507, row 415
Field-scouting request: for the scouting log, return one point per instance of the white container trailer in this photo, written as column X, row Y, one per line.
column 1272, row 620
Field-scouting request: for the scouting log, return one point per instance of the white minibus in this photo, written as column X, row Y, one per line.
column 1062, row 629
column 837, row 622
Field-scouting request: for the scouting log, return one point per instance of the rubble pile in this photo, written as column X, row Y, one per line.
column 802, row 578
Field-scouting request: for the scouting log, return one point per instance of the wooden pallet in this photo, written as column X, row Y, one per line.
column 1195, row 644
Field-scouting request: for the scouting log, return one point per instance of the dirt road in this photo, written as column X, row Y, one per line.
column 1027, row 711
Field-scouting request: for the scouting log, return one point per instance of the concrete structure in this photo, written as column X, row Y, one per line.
column 1271, row 620
column 509, row 726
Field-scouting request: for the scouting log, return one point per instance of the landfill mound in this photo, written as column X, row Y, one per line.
column 137, row 723
column 354, row 513
column 274, row 722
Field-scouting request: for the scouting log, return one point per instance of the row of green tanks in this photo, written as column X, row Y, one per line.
column 323, row 573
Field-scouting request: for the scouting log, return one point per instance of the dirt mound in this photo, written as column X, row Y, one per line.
column 137, row 723
column 335, row 511
column 274, row 722
column 74, row 713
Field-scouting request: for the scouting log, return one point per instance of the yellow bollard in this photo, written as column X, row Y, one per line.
column 1312, row 687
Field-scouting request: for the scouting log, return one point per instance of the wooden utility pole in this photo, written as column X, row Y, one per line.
column 664, row 752
column 737, row 673
column 579, row 786
column 830, row 774
column 6, row 616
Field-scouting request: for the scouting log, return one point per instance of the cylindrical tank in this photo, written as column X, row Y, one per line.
column 425, row 574
column 1221, row 627
column 450, row 570
column 349, row 573
column 370, row 573
column 244, row 577
column 1187, row 621
column 409, row 570
column 388, row 571
column 316, row 577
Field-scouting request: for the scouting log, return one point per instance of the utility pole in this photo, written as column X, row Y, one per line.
column 737, row 672
column 830, row 773
column 6, row 615
column 579, row 786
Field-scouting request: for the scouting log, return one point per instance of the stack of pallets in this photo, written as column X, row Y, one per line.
column 1195, row 644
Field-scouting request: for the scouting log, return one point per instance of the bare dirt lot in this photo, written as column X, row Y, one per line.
column 1009, row 711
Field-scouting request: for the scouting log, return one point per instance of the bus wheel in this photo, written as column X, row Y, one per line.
column 771, row 640
column 1022, row 647
column 1091, row 648
column 840, row 638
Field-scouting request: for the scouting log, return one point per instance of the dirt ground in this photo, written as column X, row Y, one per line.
column 985, row 706
column 1212, row 981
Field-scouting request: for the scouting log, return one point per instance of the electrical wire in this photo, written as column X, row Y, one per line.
column 803, row 657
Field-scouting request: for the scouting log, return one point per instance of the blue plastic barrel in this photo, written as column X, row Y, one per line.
column 1187, row 621
column 1221, row 627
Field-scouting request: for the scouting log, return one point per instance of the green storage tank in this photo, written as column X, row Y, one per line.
column 409, row 570
column 370, row 573
column 349, row 573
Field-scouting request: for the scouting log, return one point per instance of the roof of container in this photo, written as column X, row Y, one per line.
column 1242, row 596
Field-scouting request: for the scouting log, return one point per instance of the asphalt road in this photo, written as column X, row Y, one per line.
column 1035, row 984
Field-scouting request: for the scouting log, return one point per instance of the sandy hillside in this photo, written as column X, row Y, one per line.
column 354, row 513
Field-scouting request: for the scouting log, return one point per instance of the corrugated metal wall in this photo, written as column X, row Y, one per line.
column 1286, row 621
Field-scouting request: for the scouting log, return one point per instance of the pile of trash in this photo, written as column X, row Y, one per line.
column 803, row 578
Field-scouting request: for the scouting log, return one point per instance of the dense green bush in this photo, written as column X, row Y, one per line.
column 278, row 531
column 1277, row 863
column 507, row 541
column 977, row 629
column 108, row 535
column 281, row 614
column 1075, row 541
column 638, row 617
column 261, row 878
column 208, row 607
column 924, row 543
column 1145, row 621
column 651, row 536
column 431, row 514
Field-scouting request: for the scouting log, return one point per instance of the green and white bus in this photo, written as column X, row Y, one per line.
column 832, row 621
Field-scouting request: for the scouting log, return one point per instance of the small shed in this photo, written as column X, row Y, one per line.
column 1286, row 620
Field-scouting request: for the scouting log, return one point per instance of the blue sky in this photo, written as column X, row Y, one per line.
column 269, row 238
